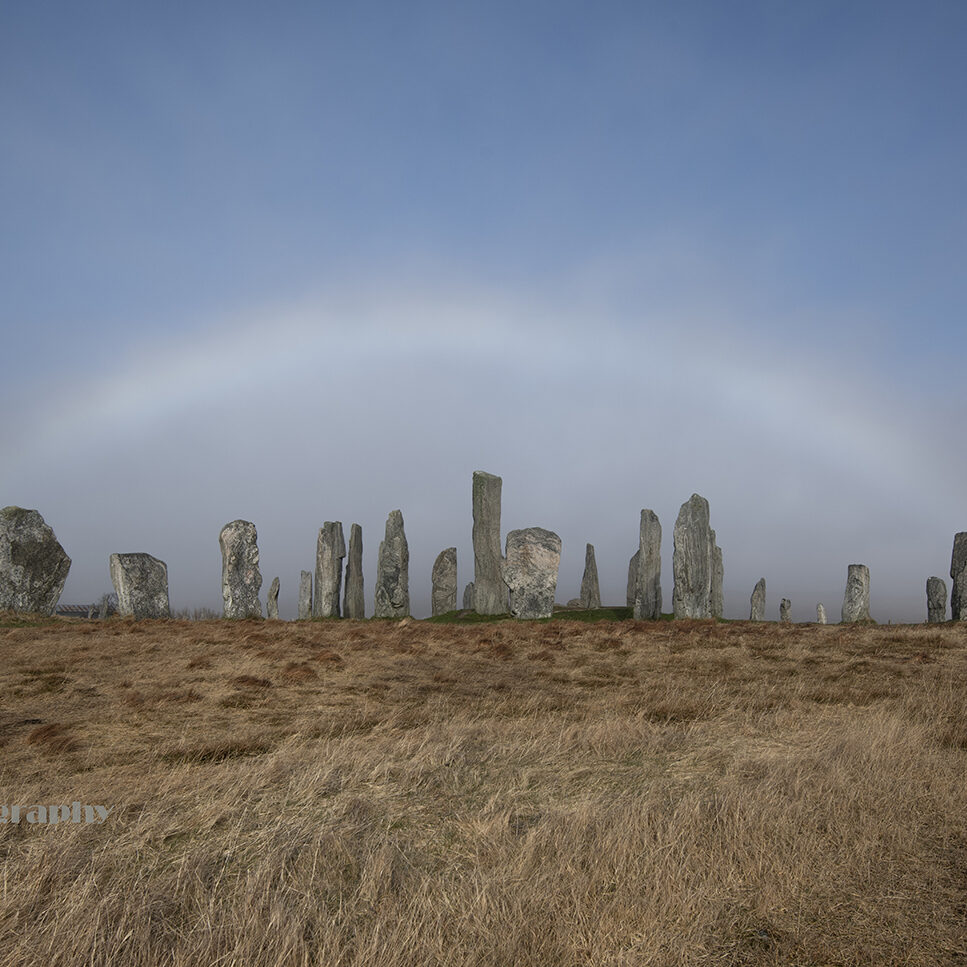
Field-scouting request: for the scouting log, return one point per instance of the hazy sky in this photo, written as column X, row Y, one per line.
column 314, row 261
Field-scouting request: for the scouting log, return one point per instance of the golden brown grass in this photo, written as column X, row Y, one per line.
column 364, row 793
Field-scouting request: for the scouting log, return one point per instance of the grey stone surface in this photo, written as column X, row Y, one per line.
column 330, row 550
column 646, row 603
column 392, row 571
column 141, row 584
column 856, row 600
column 272, row 601
column 468, row 597
column 820, row 614
column 784, row 605
column 590, row 589
column 530, row 571
column 241, row 578
column 443, row 582
column 757, row 609
column 633, row 579
column 692, row 560
column 489, row 590
column 353, row 603
column 716, row 599
column 958, row 578
column 305, row 595
column 936, row 600
column 33, row 565
column 574, row 604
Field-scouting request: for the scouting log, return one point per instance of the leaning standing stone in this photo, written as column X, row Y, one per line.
column 647, row 591
column 590, row 589
column 241, row 578
column 856, row 601
column 353, row 604
column 958, row 577
column 468, row 597
column 784, row 605
column 530, row 571
column 443, row 581
column 305, row 595
column 692, row 560
column 936, row 600
column 330, row 550
column 716, row 599
column 33, row 565
column 489, row 591
column 392, row 571
column 757, row 612
column 272, row 602
column 633, row 578
column 820, row 614
column 141, row 584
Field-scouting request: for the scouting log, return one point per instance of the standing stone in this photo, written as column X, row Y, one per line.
column 590, row 589
column 716, row 599
column 330, row 550
column 820, row 614
column 958, row 577
column 272, row 602
column 784, row 605
column 856, row 601
column 353, row 603
column 443, row 580
column 241, row 578
column 530, row 571
column 141, row 584
column 392, row 571
column 633, row 578
column 936, row 600
column 646, row 602
column 692, row 562
column 489, row 591
column 305, row 595
column 757, row 612
column 468, row 597
column 33, row 565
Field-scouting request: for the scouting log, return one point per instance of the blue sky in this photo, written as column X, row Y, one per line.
column 320, row 261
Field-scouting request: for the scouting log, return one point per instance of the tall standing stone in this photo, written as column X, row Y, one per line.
column 272, row 601
column 936, row 600
column 141, row 584
column 716, row 600
column 784, row 605
column 330, row 550
column 590, row 589
column 468, row 597
column 443, row 581
column 354, row 604
column 856, row 601
column 33, row 565
column 241, row 578
column 820, row 614
column 692, row 560
column 489, row 591
column 958, row 577
column 392, row 571
column 633, row 565
column 305, row 595
column 757, row 610
column 530, row 571
column 646, row 604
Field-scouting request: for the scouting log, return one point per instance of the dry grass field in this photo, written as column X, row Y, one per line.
column 543, row 793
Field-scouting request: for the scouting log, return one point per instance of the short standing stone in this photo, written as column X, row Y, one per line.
column 958, row 577
column 392, row 571
column 489, row 591
column 330, row 550
column 936, row 600
column 757, row 611
column 533, row 557
column 784, row 605
column 820, row 614
column 468, row 597
column 716, row 598
column 443, row 581
column 647, row 590
column 241, row 578
column 590, row 589
column 632, row 579
column 353, row 604
column 305, row 595
column 33, row 565
column 692, row 560
column 272, row 602
column 141, row 584
column 856, row 601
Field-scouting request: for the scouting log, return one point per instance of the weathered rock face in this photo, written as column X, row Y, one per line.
column 633, row 566
column 716, row 598
column 692, row 560
column 272, row 602
column 530, row 571
column 392, row 571
column 489, row 590
column 936, row 600
column 646, row 604
column 330, row 550
column 856, row 601
column 820, row 614
column 958, row 577
column 33, row 565
column 241, row 578
column 590, row 589
column 757, row 611
column 305, row 595
column 141, row 584
column 784, row 605
column 468, row 597
column 354, row 604
column 443, row 580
